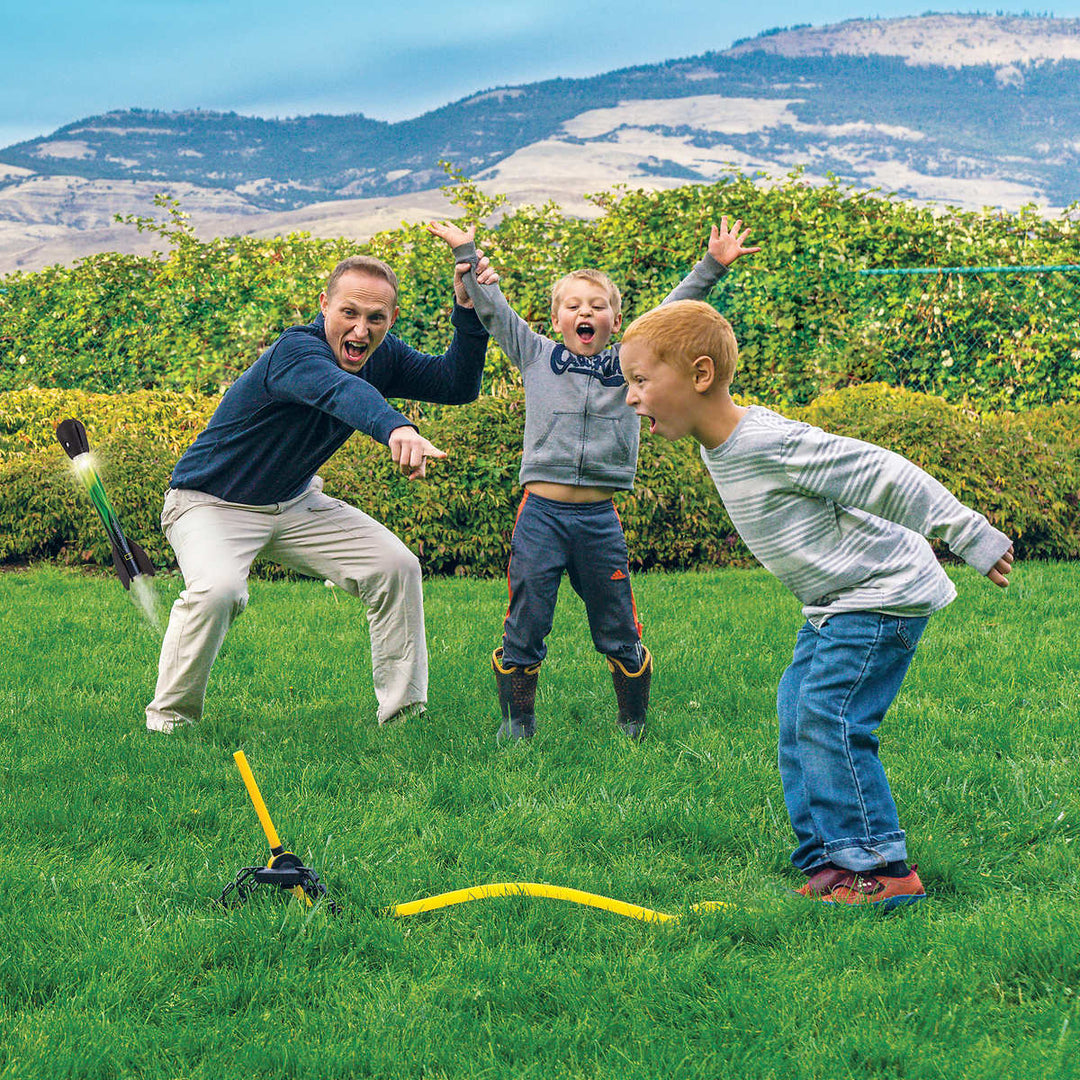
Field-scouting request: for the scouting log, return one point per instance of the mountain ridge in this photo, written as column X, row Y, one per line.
column 972, row 110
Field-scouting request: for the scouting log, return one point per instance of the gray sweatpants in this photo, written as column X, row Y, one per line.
column 215, row 543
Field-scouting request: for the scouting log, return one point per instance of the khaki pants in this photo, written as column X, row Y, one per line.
column 215, row 543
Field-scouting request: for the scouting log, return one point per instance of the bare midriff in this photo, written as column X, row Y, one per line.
column 569, row 493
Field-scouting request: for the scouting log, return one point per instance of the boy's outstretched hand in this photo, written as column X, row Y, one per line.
column 726, row 245
column 455, row 237
column 999, row 572
column 453, row 234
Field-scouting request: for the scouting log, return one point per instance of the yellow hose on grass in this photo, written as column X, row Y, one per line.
column 552, row 892
column 464, row 896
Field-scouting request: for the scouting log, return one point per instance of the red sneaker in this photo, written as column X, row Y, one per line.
column 833, row 885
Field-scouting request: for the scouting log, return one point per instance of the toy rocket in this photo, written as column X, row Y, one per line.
column 129, row 559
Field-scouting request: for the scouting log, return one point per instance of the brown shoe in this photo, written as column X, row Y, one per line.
column 834, row 885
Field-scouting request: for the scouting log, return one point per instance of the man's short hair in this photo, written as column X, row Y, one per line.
column 363, row 264
column 679, row 332
column 597, row 277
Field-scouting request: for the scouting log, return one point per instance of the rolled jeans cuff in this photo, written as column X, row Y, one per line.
column 867, row 853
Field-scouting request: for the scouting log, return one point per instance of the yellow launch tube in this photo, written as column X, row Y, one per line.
column 257, row 799
column 476, row 892
column 276, row 847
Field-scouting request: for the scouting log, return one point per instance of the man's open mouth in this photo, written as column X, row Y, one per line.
column 652, row 425
column 354, row 351
column 585, row 332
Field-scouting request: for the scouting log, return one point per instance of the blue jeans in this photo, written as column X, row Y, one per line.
column 841, row 682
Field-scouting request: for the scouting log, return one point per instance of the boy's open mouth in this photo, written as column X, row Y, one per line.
column 651, row 419
column 585, row 332
column 354, row 351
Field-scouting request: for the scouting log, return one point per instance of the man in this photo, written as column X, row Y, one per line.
column 247, row 484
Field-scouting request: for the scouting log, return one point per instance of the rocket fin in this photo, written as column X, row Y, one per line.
column 118, row 562
column 142, row 560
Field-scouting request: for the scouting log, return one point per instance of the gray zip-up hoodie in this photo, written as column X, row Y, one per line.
column 578, row 428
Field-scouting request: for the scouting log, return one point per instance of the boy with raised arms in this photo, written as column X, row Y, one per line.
column 581, row 446
column 842, row 523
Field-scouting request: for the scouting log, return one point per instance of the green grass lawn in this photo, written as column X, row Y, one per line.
column 116, row 961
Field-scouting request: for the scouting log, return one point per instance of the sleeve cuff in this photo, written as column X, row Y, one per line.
column 465, row 253
column 713, row 267
column 987, row 549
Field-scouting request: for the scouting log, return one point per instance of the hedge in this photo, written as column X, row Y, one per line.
column 807, row 321
column 1021, row 470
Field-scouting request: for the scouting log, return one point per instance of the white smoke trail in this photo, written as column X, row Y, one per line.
column 144, row 595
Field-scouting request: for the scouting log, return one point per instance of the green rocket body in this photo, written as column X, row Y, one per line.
column 129, row 559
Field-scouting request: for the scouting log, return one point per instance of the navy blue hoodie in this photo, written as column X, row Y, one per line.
column 294, row 407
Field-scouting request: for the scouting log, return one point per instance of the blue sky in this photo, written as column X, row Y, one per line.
column 64, row 60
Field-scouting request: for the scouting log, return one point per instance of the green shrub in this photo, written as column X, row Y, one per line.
column 28, row 418
column 807, row 321
column 1021, row 470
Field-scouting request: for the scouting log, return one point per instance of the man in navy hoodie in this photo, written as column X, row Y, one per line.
column 248, row 485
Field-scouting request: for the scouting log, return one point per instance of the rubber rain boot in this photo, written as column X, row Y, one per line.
column 632, row 694
column 517, row 698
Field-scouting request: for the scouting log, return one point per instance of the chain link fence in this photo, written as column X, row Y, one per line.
column 1011, row 334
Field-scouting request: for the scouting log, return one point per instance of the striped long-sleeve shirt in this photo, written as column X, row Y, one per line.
column 841, row 522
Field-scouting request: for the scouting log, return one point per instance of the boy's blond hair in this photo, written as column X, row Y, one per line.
column 597, row 277
column 679, row 332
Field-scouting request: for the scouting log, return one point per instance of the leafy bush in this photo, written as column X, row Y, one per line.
column 28, row 418
column 1022, row 471
column 807, row 321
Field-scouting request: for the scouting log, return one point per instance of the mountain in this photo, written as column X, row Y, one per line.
column 970, row 110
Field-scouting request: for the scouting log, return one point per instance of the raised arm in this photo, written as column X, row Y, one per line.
column 451, row 378
column 518, row 340
column 725, row 246
column 485, row 274
column 301, row 370
column 850, row 472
